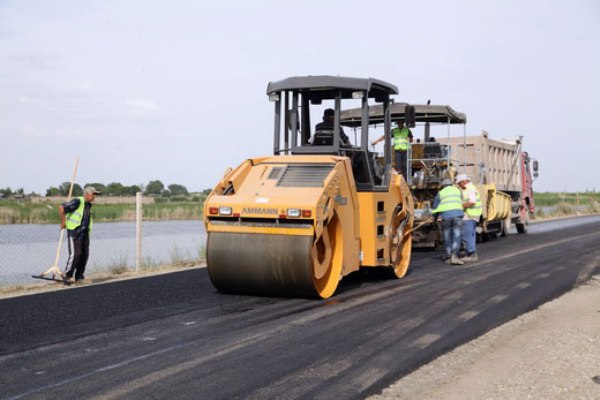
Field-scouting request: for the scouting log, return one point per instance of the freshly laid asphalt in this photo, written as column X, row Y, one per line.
column 175, row 336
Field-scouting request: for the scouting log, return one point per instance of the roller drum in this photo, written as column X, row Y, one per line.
column 261, row 264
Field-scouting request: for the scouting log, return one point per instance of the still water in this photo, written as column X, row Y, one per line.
column 31, row 249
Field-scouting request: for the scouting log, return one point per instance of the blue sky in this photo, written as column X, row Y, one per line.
column 144, row 90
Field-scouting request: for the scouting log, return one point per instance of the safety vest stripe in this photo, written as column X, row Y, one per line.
column 475, row 210
column 450, row 200
column 74, row 217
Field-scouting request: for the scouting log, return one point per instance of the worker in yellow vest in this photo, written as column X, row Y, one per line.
column 472, row 206
column 401, row 141
column 448, row 205
column 76, row 216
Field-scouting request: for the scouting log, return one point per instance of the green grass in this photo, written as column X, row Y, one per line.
column 177, row 257
column 554, row 198
column 118, row 265
column 565, row 203
column 24, row 213
column 12, row 212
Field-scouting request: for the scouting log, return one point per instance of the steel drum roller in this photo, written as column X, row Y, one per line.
column 261, row 264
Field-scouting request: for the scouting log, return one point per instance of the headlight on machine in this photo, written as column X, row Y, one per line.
column 296, row 213
column 293, row 213
column 225, row 210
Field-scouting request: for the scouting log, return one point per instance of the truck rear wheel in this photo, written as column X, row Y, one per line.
column 505, row 230
column 523, row 226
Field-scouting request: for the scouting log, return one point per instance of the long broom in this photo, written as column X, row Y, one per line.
column 55, row 269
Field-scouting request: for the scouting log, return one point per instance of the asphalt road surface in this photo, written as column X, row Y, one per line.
column 175, row 336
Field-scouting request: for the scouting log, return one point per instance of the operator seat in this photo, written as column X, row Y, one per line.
column 323, row 138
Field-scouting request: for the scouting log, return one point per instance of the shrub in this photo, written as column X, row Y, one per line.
column 539, row 213
column 563, row 208
column 594, row 206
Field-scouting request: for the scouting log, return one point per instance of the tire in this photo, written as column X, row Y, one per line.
column 505, row 230
column 523, row 227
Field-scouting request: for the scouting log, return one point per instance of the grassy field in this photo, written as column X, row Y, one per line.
column 12, row 212
column 563, row 204
column 575, row 199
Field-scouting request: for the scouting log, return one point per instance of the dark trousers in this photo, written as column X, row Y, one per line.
column 401, row 160
column 79, row 251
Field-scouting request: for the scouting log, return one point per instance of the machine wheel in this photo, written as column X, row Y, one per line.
column 401, row 241
column 327, row 254
column 279, row 265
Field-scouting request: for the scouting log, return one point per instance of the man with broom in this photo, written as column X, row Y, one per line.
column 75, row 215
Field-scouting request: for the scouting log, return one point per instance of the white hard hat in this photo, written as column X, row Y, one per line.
column 446, row 182
column 462, row 177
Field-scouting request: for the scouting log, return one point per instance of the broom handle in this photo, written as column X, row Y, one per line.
column 68, row 199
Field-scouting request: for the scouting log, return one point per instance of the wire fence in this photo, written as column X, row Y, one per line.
column 115, row 247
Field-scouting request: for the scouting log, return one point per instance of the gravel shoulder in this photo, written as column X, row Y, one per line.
column 552, row 352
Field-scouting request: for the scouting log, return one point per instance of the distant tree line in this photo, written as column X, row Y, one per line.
column 7, row 192
column 154, row 188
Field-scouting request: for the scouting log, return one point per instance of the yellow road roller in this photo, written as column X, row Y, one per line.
column 320, row 208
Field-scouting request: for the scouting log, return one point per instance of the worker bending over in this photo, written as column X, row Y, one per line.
column 448, row 203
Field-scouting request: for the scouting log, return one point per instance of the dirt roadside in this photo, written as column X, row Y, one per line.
column 552, row 352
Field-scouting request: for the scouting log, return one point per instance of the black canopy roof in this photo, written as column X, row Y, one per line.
column 347, row 85
column 423, row 113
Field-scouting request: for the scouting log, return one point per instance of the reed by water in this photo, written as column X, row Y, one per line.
column 12, row 212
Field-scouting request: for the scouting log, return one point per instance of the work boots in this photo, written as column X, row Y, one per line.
column 470, row 258
column 454, row 260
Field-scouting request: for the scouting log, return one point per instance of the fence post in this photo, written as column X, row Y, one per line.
column 138, row 230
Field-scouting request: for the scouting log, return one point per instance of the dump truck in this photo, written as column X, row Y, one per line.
column 500, row 170
column 321, row 207
column 504, row 175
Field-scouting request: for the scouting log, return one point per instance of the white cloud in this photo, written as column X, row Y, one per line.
column 83, row 88
column 141, row 107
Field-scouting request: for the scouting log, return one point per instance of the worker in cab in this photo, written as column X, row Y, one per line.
column 328, row 125
column 472, row 205
column 448, row 204
column 402, row 138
